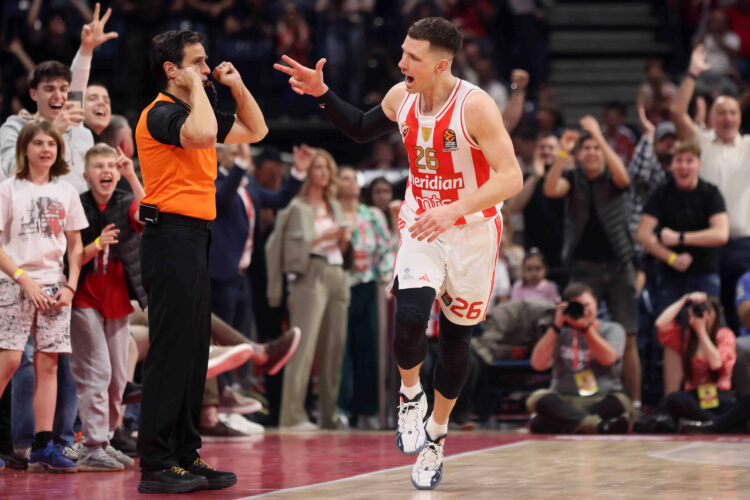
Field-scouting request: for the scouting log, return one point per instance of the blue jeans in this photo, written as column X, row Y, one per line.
column 230, row 301
column 23, row 427
column 669, row 287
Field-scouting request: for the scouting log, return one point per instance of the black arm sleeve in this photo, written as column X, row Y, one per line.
column 356, row 124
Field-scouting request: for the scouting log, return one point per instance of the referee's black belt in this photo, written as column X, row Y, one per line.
column 184, row 220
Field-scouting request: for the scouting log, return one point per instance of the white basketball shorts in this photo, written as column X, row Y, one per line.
column 459, row 265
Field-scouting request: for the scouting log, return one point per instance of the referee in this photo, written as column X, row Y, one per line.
column 176, row 137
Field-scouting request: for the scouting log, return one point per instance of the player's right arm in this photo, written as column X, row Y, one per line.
column 360, row 126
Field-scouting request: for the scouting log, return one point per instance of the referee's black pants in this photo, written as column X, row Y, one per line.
column 174, row 266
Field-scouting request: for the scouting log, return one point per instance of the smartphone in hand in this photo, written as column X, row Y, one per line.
column 76, row 97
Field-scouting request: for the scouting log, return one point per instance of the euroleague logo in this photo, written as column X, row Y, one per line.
column 449, row 140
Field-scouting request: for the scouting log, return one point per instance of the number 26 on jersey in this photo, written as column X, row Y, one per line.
column 429, row 156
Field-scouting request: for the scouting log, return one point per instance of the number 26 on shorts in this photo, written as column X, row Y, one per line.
column 460, row 305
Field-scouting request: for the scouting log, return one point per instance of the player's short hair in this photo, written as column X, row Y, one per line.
column 439, row 32
column 49, row 70
column 687, row 147
column 170, row 46
column 99, row 149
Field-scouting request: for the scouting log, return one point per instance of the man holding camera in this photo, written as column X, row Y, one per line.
column 598, row 245
column 585, row 354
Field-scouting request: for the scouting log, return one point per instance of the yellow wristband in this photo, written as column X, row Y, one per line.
column 18, row 274
column 671, row 259
column 97, row 244
column 562, row 154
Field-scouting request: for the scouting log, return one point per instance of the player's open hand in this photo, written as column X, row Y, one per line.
column 304, row 80
column 226, row 74
column 434, row 222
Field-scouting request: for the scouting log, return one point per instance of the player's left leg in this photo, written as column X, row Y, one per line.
column 471, row 255
column 451, row 371
column 413, row 307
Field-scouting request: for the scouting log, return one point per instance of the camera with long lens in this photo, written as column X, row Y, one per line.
column 574, row 310
column 698, row 309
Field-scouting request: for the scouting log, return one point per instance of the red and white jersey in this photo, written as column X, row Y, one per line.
column 444, row 163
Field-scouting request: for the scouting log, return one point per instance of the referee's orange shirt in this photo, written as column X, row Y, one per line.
column 177, row 180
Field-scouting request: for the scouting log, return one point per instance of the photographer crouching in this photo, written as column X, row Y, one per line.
column 585, row 355
column 699, row 356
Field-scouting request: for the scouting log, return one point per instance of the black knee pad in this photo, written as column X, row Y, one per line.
column 454, row 364
column 412, row 314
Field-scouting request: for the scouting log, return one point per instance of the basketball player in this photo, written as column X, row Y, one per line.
column 461, row 168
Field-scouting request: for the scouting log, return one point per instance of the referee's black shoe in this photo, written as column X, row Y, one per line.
column 216, row 479
column 172, row 480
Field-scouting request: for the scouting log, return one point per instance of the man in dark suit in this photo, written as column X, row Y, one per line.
column 236, row 239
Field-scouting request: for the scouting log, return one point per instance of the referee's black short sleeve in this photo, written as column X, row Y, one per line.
column 165, row 120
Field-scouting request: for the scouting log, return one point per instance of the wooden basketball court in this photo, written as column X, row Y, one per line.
column 484, row 464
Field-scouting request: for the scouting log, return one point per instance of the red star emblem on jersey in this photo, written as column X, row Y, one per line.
column 404, row 131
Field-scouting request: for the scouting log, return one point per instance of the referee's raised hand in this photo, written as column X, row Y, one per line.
column 189, row 78
column 226, row 74
column 304, row 80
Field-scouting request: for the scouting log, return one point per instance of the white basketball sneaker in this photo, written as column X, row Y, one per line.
column 427, row 472
column 410, row 435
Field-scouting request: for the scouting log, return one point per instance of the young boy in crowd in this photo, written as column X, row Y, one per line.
column 110, row 277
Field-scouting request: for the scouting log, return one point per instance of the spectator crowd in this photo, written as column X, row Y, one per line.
column 626, row 253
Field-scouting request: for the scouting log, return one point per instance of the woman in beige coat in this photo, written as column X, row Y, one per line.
column 309, row 245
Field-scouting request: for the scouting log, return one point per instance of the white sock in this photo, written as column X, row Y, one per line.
column 435, row 430
column 410, row 392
